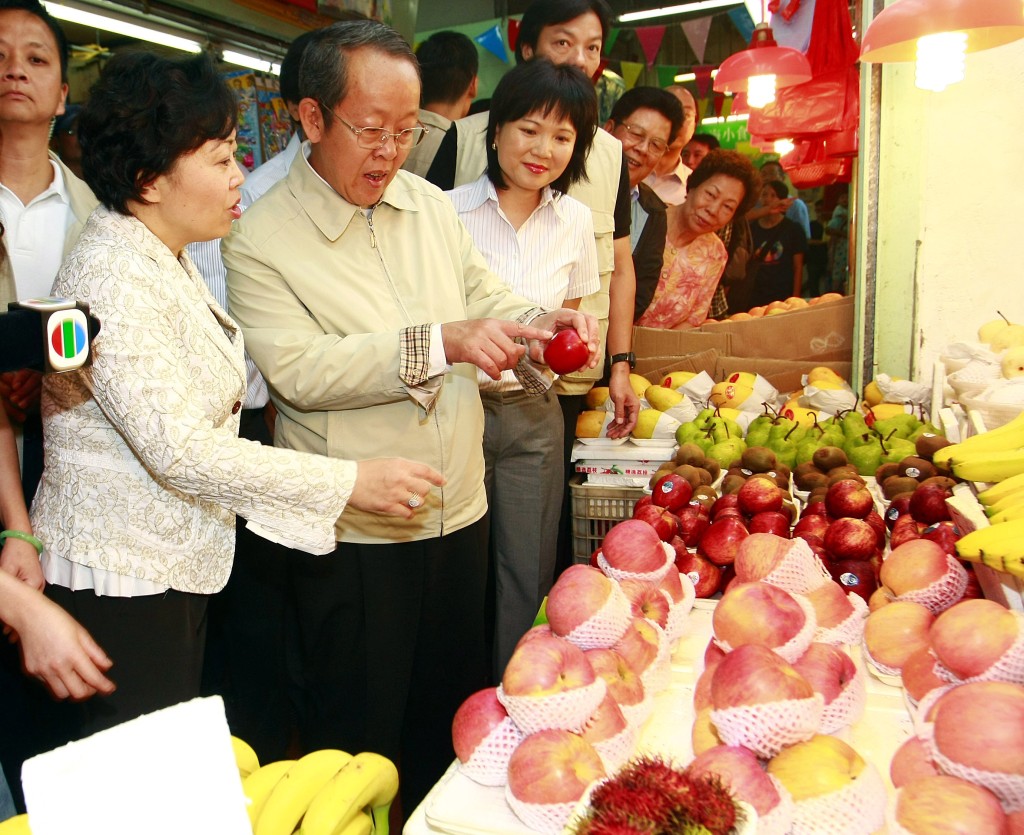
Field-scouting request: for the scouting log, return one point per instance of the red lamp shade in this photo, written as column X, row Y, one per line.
column 892, row 36
column 789, row 66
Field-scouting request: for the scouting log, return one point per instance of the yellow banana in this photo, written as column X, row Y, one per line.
column 1010, row 499
column 361, row 824
column 1006, row 437
column 988, row 466
column 245, row 757
column 1008, row 512
column 998, row 546
column 369, row 782
column 294, row 791
column 1006, row 487
column 258, row 786
column 18, row 825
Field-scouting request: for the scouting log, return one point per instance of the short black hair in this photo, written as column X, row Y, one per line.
column 779, row 187
column 730, row 164
column 542, row 13
column 143, row 114
column 34, row 7
column 708, row 139
column 448, row 64
column 289, row 78
column 653, row 98
column 323, row 75
column 539, row 85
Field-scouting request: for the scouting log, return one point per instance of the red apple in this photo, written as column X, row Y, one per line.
column 740, row 772
column 858, row 576
column 928, row 503
column 905, row 529
column 831, row 604
column 981, row 725
column 535, row 632
column 918, row 674
column 624, row 685
column 815, row 508
column 693, row 521
column 544, row 666
column 553, row 766
column 759, row 555
column 606, row 722
column 672, row 585
column 878, row 524
column 828, row 669
column 639, row 645
column 814, row 525
column 704, row 574
column 770, row 521
column 647, row 600
column 849, row 538
column 579, row 593
column 663, row 522
column 895, row 631
column 757, row 613
column 948, row 804
column 475, row 719
column 899, row 506
column 751, row 675
column 913, row 566
column 970, row 636
column 645, row 499
column 911, row 761
column 721, row 540
column 635, row 546
column 849, row 498
column 944, row 534
column 722, row 502
column 672, row 491
column 758, row 495
column 566, row 352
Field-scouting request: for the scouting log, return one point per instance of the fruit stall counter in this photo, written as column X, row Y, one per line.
column 459, row 806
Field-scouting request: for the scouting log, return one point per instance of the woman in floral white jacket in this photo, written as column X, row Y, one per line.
column 144, row 469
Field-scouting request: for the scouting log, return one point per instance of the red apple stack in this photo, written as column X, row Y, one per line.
column 920, row 571
column 633, row 549
column 624, row 685
column 894, row 632
column 833, row 674
column 939, row 803
column 765, row 615
column 645, row 648
column 587, row 607
column 979, row 639
column 484, row 737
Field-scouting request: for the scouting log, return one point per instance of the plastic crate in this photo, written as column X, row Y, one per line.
column 595, row 509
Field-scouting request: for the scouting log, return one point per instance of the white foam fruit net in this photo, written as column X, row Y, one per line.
column 769, row 727
column 857, row 809
column 800, row 570
column 797, row 645
column 848, row 706
column 637, row 714
column 848, row 631
column 606, row 625
column 779, row 819
column 617, row 750
column 568, row 710
column 944, row 592
column 658, row 673
column 1008, row 788
column 488, row 764
column 655, row 576
column 878, row 665
column 548, row 818
column 1008, row 667
column 679, row 613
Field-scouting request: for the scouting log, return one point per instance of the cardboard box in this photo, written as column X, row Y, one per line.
column 656, row 342
column 824, row 330
column 654, row 368
column 783, row 374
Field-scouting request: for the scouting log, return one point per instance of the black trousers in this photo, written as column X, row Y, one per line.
column 572, row 405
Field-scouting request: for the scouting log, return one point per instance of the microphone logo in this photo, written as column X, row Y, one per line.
column 67, row 339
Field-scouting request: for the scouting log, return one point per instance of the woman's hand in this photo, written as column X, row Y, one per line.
column 20, row 559
column 394, row 486
column 561, row 319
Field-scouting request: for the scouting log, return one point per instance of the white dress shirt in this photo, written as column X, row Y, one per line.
column 672, row 187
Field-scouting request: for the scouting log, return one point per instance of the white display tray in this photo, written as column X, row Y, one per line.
column 459, row 806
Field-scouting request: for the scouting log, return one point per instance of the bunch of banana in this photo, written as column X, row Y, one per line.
column 992, row 456
column 245, row 757
column 327, row 792
column 999, row 546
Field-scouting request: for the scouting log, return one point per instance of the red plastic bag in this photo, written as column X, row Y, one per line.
column 809, row 166
column 825, row 104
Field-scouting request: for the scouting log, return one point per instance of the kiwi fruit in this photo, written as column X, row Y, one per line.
column 916, row 467
column 758, row 459
column 689, row 453
column 660, row 473
column 704, row 475
column 927, row 444
column 847, row 471
column 887, row 469
column 829, row 457
column 814, row 479
column 732, row 483
column 713, row 467
column 896, row 484
column 945, row 481
column 690, row 473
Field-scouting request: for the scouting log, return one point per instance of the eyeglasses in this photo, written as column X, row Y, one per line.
column 373, row 138
column 639, row 134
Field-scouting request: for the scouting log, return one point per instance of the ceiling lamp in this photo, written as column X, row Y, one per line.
column 762, row 69
column 937, row 34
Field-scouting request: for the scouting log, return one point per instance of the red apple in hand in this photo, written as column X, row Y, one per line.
column 546, row 665
column 553, row 767
column 566, row 352
column 672, row 491
column 704, row 574
column 721, row 540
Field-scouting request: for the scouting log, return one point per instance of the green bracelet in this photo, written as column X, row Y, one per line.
column 34, row 541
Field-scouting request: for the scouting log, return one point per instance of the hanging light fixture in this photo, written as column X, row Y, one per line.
column 937, row 34
column 760, row 70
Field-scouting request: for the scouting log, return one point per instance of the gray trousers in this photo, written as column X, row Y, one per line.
column 524, row 478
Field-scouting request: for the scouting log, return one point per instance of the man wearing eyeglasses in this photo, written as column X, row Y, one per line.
column 368, row 309
column 668, row 179
column 646, row 120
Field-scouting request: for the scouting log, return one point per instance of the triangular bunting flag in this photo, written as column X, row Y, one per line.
column 667, row 76
column 492, row 42
column 696, row 32
column 513, row 33
column 631, row 72
column 726, row 108
column 743, row 22
column 703, row 79
column 613, row 36
column 719, row 102
column 650, row 40
column 601, row 68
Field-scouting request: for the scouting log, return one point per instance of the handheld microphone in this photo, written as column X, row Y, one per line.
column 49, row 334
